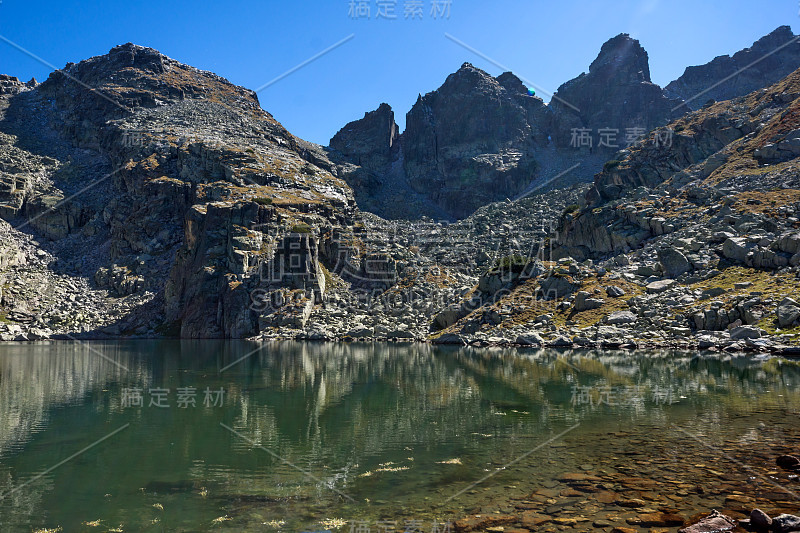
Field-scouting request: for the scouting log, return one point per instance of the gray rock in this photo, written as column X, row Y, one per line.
column 713, row 292
column 360, row 332
column 621, row 317
column 788, row 311
column 614, row 291
column 745, row 332
column 673, row 262
column 785, row 523
column 450, row 338
column 660, row 286
column 584, row 303
column 736, row 249
column 530, row 339
column 646, row 270
column 560, row 342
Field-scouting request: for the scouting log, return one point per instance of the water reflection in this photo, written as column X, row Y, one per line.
column 398, row 428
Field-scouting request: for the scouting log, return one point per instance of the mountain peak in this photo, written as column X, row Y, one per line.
column 139, row 76
column 622, row 57
column 779, row 35
column 136, row 56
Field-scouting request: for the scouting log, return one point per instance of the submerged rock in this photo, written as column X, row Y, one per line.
column 715, row 522
column 788, row 462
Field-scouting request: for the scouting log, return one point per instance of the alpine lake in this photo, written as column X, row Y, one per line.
column 288, row 436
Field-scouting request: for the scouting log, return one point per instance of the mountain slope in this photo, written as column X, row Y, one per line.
column 692, row 244
column 134, row 158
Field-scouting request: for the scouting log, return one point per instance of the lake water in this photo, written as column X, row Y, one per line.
column 233, row 436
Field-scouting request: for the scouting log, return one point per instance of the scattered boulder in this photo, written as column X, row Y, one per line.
column 450, row 338
column 735, row 249
column 788, row 312
column 745, row 332
column 660, row 286
column 615, row 292
column 713, row 292
column 674, row 263
column 620, row 318
column 583, row 302
column 530, row 339
column 560, row 342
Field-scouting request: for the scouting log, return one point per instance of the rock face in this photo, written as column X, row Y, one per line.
column 469, row 143
column 771, row 58
column 615, row 94
column 473, row 140
column 10, row 85
column 479, row 139
column 368, row 151
column 371, row 141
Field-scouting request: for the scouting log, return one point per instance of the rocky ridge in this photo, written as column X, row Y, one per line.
column 767, row 61
column 479, row 139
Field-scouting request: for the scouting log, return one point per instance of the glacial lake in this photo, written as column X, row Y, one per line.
column 235, row 436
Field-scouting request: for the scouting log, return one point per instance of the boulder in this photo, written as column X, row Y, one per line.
column 583, row 302
column 560, row 342
column 621, row 317
column 614, row 291
column 735, row 249
column 450, row 338
column 529, row 339
column 760, row 520
column 789, row 462
column 788, row 311
column 714, row 523
column 785, row 523
column 745, row 332
column 673, row 262
column 660, row 286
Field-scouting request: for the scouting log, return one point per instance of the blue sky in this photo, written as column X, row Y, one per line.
column 387, row 60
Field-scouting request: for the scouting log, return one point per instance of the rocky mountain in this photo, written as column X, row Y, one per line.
column 770, row 59
column 466, row 144
column 370, row 142
column 479, row 139
column 160, row 184
column 695, row 243
column 141, row 197
column 616, row 95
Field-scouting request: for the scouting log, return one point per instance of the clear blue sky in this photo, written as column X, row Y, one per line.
column 392, row 61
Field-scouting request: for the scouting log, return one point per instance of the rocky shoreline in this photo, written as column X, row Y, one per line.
column 622, row 503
